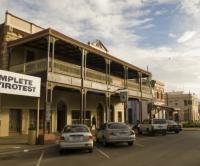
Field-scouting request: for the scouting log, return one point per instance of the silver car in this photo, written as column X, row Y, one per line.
column 76, row 137
column 114, row 132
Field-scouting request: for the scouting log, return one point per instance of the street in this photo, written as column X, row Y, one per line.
column 171, row 150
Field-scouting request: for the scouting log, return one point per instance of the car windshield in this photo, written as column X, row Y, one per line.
column 117, row 126
column 171, row 122
column 73, row 129
column 159, row 121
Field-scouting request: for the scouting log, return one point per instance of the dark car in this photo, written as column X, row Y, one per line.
column 172, row 126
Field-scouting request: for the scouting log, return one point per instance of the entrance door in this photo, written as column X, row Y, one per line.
column 100, row 116
column 130, row 116
column 61, row 116
column 15, row 119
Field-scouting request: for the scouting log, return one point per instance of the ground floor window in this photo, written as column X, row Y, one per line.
column 15, row 120
column 76, row 116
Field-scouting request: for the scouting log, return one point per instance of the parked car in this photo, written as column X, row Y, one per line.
column 172, row 126
column 152, row 126
column 115, row 132
column 76, row 137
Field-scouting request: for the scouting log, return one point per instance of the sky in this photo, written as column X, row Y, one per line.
column 161, row 34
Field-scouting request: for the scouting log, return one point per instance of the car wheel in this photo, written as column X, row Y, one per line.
column 164, row 133
column 90, row 150
column 176, row 132
column 130, row 143
column 61, row 151
column 105, row 144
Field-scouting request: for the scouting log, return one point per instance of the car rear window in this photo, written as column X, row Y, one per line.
column 171, row 122
column 117, row 126
column 73, row 129
column 159, row 121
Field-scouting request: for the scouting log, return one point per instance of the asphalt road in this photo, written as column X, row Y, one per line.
column 181, row 149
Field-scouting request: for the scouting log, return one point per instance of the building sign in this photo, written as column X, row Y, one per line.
column 19, row 84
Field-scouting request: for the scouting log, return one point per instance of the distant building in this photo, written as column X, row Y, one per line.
column 186, row 102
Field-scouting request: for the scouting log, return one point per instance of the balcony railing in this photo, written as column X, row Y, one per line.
column 116, row 81
column 133, row 85
column 95, row 76
column 146, row 89
column 66, row 68
column 73, row 70
column 30, row 67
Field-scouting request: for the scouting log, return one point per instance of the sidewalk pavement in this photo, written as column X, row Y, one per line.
column 191, row 129
column 17, row 144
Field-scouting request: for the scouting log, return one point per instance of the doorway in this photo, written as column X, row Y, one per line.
column 100, row 115
column 15, row 121
column 61, row 116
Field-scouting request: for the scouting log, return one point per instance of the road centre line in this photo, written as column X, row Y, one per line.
column 40, row 159
column 103, row 153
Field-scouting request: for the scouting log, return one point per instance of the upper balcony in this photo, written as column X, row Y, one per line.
column 69, row 69
column 71, row 58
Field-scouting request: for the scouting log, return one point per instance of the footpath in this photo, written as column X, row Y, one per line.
column 19, row 144
column 191, row 129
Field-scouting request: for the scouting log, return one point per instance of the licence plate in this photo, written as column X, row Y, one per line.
column 123, row 134
column 76, row 138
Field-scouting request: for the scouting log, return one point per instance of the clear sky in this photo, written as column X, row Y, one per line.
column 161, row 34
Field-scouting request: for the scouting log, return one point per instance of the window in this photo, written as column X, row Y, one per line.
column 73, row 129
column 161, row 95
column 76, row 115
column 158, row 95
column 117, row 126
column 159, row 121
column 30, row 56
column 185, row 102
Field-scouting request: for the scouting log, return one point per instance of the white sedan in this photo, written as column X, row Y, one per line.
column 76, row 137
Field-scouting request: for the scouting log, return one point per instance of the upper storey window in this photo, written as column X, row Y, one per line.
column 30, row 56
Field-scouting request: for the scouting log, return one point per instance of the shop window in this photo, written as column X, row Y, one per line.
column 76, row 116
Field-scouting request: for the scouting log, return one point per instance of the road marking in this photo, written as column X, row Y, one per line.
column 140, row 145
column 16, row 147
column 40, row 159
column 103, row 153
column 26, row 150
